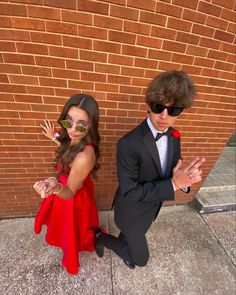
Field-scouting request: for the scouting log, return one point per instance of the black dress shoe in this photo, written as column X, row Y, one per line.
column 99, row 248
column 129, row 264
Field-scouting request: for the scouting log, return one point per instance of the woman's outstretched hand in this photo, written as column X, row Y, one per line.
column 48, row 129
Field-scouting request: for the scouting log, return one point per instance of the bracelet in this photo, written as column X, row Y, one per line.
column 60, row 190
column 54, row 138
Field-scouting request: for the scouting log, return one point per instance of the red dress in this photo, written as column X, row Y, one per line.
column 70, row 223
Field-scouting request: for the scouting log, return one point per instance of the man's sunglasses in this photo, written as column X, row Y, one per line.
column 173, row 111
column 80, row 127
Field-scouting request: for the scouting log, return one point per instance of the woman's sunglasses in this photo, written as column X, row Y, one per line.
column 173, row 111
column 80, row 127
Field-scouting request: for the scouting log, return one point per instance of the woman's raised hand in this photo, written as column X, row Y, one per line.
column 48, row 129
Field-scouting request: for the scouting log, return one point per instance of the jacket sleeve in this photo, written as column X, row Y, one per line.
column 128, row 175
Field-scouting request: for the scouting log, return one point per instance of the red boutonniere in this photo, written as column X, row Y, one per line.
column 175, row 133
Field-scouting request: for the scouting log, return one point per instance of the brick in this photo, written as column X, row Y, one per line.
column 228, row 14
column 174, row 46
column 228, row 4
column 107, row 46
column 196, row 50
column 194, row 16
column 209, row 8
column 7, row 46
column 63, row 52
column 149, row 42
column 120, row 60
column 91, row 32
column 231, row 48
column 186, row 3
column 152, row 18
column 12, row 9
column 47, row 38
column 122, row 37
column 217, row 23
column 169, row 9
column 5, row 22
column 108, row 22
column 36, row 71
column 4, row 78
column 223, row 36
column 6, row 97
column 106, row 87
column 77, row 42
column 209, row 43
column 18, row 58
column 79, row 65
column 9, row 114
column 120, row 2
column 80, row 85
column 165, row 66
column 93, row 56
column 28, row 98
column 145, row 63
column 52, row 82
column 12, row 88
column 224, row 66
column 218, row 55
column 144, row 5
column 202, row 30
column 14, row 35
column 179, row 24
column 191, row 69
column 119, row 80
column 187, row 38
column 92, row 6
column 232, row 28
column 134, row 51
column 130, row 89
column 203, row 62
column 16, row 107
column 164, row 33
column 50, row 61
column 77, row 17
column 43, row 12
column 32, row 48
column 140, row 82
column 137, row 28
column 67, row 74
column 26, row 80
column 106, row 68
column 159, row 54
column 61, row 28
column 124, row 12
column 61, row 3
column 93, row 77
column 30, row 24
column 184, row 59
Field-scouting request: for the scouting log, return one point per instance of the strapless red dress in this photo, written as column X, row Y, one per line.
column 70, row 223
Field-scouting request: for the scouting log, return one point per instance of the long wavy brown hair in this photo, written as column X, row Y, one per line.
column 66, row 153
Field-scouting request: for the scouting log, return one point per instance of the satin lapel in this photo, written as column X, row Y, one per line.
column 152, row 148
column 170, row 155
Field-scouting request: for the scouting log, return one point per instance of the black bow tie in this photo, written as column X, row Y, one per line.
column 159, row 135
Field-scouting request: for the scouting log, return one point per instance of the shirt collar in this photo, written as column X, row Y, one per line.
column 153, row 129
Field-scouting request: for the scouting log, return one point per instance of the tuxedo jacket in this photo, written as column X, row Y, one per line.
column 142, row 186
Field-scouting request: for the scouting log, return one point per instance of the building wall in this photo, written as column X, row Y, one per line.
column 51, row 49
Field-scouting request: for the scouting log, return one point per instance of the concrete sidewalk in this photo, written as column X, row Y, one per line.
column 190, row 254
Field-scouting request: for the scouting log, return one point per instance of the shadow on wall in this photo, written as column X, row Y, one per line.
column 232, row 140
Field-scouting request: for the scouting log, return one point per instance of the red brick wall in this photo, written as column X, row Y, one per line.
column 51, row 49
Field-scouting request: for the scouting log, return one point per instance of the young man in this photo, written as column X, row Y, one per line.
column 150, row 168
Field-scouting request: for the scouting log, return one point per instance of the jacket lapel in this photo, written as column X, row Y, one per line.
column 170, row 155
column 150, row 143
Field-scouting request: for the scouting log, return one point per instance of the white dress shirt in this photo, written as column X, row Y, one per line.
column 162, row 145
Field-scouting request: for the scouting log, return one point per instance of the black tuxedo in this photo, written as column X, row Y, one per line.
column 141, row 192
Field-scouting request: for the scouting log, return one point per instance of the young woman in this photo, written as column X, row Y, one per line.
column 69, row 208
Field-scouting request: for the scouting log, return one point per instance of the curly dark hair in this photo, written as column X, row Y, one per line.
column 66, row 153
column 172, row 87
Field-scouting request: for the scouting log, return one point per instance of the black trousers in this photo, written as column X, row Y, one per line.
column 131, row 247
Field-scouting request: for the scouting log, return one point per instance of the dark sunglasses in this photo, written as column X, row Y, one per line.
column 173, row 111
column 80, row 127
